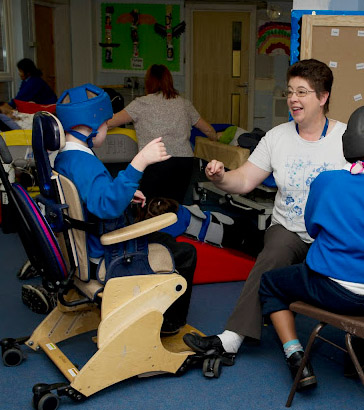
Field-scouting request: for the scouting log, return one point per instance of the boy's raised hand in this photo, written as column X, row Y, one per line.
column 215, row 170
column 154, row 151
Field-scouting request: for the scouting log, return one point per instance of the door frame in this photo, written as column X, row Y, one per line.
column 190, row 9
column 62, row 41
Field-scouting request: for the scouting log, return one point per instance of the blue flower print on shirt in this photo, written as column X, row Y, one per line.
column 322, row 168
column 297, row 210
column 309, row 181
column 289, row 200
column 300, row 172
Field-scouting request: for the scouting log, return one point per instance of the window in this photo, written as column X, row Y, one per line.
column 5, row 74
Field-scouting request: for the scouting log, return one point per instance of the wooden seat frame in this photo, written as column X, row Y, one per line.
column 128, row 324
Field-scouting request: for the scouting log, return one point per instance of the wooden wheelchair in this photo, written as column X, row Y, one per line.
column 126, row 311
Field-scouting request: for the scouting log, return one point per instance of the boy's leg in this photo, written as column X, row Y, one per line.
column 185, row 259
column 278, row 289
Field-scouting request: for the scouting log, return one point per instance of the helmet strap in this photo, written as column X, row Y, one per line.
column 84, row 138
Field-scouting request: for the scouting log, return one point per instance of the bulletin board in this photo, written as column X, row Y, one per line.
column 137, row 35
column 338, row 41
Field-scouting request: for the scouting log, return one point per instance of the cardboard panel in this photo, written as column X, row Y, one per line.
column 338, row 41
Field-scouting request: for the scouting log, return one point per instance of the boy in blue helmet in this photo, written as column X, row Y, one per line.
column 83, row 112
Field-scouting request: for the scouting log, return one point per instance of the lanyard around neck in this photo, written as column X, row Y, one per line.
column 324, row 131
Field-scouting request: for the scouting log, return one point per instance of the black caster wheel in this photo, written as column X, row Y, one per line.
column 48, row 401
column 12, row 356
column 217, row 368
column 211, row 367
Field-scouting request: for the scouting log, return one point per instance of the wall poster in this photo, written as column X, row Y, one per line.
column 137, row 35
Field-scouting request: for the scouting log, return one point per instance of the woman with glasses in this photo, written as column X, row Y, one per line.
column 296, row 152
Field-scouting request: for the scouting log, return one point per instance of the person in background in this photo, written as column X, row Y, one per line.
column 296, row 152
column 13, row 119
column 32, row 88
column 332, row 276
column 162, row 112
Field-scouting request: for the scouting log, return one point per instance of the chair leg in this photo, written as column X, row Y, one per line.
column 353, row 357
column 311, row 340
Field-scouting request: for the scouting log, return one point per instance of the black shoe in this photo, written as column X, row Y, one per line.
column 202, row 344
column 27, row 271
column 38, row 299
column 349, row 368
column 308, row 378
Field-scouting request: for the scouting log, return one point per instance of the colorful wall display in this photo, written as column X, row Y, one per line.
column 136, row 35
column 274, row 38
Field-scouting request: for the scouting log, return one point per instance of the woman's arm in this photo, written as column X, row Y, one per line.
column 238, row 181
column 120, row 118
column 207, row 129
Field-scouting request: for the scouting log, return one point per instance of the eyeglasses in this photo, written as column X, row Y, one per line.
column 300, row 93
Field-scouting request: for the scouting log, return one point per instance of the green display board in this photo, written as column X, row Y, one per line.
column 136, row 35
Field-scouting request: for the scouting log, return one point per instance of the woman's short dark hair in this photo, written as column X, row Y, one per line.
column 28, row 67
column 159, row 79
column 316, row 73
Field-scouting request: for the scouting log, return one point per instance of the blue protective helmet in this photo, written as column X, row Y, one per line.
column 83, row 109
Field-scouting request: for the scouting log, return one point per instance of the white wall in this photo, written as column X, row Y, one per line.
column 340, row 5
column 82, row 38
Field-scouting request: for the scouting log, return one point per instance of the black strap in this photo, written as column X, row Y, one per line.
column 95, row 228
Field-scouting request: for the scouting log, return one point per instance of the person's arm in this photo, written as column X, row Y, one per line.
column 119, row 118
column 6, row 109
column 238, row 181
column 207, row 129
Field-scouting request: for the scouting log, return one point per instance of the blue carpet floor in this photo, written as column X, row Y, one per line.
column 259, row 379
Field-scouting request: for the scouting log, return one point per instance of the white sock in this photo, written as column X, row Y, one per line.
column 231, row 341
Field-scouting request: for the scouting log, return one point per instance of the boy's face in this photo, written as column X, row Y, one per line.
column 101, row 135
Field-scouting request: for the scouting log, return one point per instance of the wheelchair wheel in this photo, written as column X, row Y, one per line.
column 13, row 356
column 47, row 402
column 217, row 368
column 211, row 367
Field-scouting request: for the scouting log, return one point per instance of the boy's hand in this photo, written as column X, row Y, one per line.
column 215, row 171
column 153, row 152
column 139, row 198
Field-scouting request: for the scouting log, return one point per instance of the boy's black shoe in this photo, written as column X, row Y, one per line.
column 27, row 271
column 38, row 299
column 203, row 344
column 308, row 378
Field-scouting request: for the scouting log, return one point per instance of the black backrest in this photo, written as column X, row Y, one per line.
column 45, row 137
column 34, row 231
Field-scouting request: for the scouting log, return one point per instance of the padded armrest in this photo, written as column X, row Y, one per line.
column 232, row 157
column 139, row 229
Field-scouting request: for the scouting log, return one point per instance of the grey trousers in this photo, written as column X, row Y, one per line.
column 281, row 248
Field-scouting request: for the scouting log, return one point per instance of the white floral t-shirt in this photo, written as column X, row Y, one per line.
column 295, row 163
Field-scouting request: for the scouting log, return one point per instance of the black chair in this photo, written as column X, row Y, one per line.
column 351, row 325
